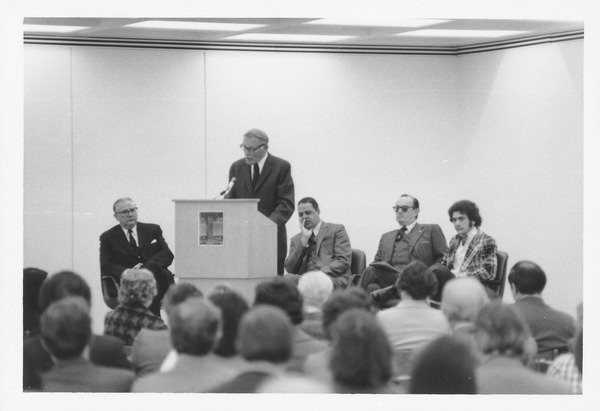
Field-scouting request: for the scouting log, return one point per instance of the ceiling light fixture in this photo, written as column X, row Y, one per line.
column 294, row 38
column 192, row 25
column 51, row 29
column 460, row 33
column 376, row 21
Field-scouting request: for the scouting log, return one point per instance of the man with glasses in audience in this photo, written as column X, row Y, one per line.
column 410, row 242
column 262, row 175
column 131, row 244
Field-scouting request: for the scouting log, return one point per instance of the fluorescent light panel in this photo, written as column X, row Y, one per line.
column 192, row 25
column 51, row 29
column 298, row 38
column 460, row 33
column 376, row 21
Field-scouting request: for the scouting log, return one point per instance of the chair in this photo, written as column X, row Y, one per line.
column 110, row 291
column 497, row 285
column 357, row 266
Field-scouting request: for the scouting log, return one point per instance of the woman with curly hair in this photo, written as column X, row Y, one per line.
column 136, row 292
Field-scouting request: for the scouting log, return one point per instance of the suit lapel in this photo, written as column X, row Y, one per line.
column 415, row 234
column 247, row 177
column 322, row 232
column 264, row 173
column 141, row 234
column 389, row 246
column 475, row 245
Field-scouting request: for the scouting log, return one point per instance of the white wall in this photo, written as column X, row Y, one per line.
column 358, row 129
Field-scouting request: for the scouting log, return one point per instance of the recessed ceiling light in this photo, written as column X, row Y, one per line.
column 51, row 29
column 377, row 21
column 460, row 33
column 192, row 25
column 298, row 38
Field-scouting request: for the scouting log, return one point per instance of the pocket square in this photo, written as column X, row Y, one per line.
column 153, row 241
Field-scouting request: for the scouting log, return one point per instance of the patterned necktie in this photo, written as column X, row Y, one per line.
column 255, row 175
column 132, row 240
column 401, row 233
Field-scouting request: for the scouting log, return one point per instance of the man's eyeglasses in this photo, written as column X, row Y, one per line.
column 125, row 212
column 403, row 208
column 251, row 149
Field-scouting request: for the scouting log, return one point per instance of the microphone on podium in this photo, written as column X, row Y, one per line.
column 225, row 192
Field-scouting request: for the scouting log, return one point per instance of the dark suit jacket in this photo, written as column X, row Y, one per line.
column 480, row 260
column 80, row 375
column 550, row 328
column 427, row 244
column 333, row 252
column 117, row 255
column 275, row 188
column 104, row 350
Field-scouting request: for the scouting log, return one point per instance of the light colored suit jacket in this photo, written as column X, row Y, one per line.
column 480, row 260
column 149, row 350
column 427, row 244
column 80, row 375
column 333, row 252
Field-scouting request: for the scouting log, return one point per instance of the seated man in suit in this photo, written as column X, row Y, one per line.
column 131, row 244
column 102, row 349
column 319, row 246
column 471, row 253
column 66, row 331
column 552, row 329
column 397, row 248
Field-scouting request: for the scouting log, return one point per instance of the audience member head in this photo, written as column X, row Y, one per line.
column 265, row 334
column 194, row 326
column 406, row 209
column 361, row 354
column 233, row 306
column 462, row 299
column 465, row 208
column 65, row 327
column 315, row 287
column 33, row 278
column 178, row 293
column 341, row 301
column 501, row 329
column 446, row 366
column 526, row 277
column 417, row 282
column 282, row 293
column 137, row 286
column 443, row 275
column 63, row 284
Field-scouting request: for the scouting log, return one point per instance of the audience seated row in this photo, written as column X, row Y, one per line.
column 296, row 338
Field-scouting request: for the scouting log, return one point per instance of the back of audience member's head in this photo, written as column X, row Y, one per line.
column 462, row 299
column 527, row 277
column 65, row 327
column 315, row 287
column 341, row 301
column 137, row 286
column 418, row 282
column 501, row 329
column 282, row 293
column 361, row 354
column 265, row 334
column 194, row 326
column 446, row 366
column 178, row 293
column 233, row 306
column 33, row 278
column 63, row 284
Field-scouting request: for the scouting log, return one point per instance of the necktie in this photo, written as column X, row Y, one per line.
column 255, row 175
column 132, row 240
column 401, row 233
column 462, row 238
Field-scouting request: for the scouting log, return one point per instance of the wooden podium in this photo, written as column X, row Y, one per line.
column 224, row 242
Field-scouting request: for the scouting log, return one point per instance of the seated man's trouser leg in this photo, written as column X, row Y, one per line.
column 379, row 277
column 338, row 282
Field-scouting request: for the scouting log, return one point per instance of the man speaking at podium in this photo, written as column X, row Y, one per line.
column 266, row 177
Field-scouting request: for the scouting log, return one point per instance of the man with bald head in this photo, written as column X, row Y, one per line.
column 131, row 244
column 262, row 175
column 412, row 241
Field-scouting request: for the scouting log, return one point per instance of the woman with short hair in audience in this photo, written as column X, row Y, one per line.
column 445, row 366
column 361, row 355
column 315, row 287
column 136, row 292
column 506, row 343
column 413, row 323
